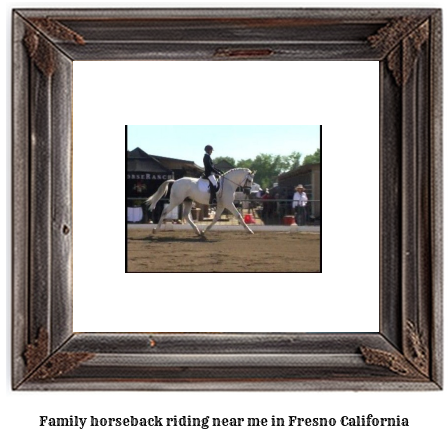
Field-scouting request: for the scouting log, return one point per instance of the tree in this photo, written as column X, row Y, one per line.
column 269, row 166
column 228, row 159
column 312, row 159
column 293, row 160
column 247, row 163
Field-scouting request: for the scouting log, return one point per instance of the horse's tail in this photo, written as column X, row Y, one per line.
column 161, row 191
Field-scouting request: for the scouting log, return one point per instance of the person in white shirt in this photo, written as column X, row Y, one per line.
column 299, row 202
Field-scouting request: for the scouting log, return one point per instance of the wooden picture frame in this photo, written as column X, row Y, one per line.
column 406, row 353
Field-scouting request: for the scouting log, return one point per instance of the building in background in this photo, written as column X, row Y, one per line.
column 145, row 173
column 309, row 176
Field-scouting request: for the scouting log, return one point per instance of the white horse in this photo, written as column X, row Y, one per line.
column 187, row 190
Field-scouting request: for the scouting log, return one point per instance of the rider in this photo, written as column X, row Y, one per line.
column 210, row 171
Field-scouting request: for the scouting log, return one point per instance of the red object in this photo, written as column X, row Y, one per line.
column 249, row 219
column 288, row 220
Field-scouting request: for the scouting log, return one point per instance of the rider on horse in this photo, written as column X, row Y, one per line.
column 210, row 171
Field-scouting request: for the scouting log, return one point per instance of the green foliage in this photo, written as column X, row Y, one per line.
column 312, row 159
column 269, row 166
column 228, row 159
column 293, row 160
column 247, row 163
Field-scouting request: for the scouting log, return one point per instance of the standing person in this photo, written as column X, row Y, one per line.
column 299, row 205
column 210, row 171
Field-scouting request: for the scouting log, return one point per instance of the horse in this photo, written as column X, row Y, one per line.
column 186, row 190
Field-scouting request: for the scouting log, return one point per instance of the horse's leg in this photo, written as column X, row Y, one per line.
column 219, row 210
column 168, row 207
column 187, row 215
column 237, row 214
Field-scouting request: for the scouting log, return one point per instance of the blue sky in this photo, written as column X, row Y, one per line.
column 187, row 142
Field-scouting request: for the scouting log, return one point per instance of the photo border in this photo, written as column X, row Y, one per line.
column 406, row 353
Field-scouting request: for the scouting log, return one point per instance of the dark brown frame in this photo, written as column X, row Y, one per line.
column 406, row 354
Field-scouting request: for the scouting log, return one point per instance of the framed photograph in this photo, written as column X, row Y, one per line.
column 254, row 207
column 51, row 353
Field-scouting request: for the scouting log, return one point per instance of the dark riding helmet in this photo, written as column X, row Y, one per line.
column 208, row 148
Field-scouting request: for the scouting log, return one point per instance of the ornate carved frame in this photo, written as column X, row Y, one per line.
column 406, row 354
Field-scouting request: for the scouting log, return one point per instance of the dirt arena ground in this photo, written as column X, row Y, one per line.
column 229, row 251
